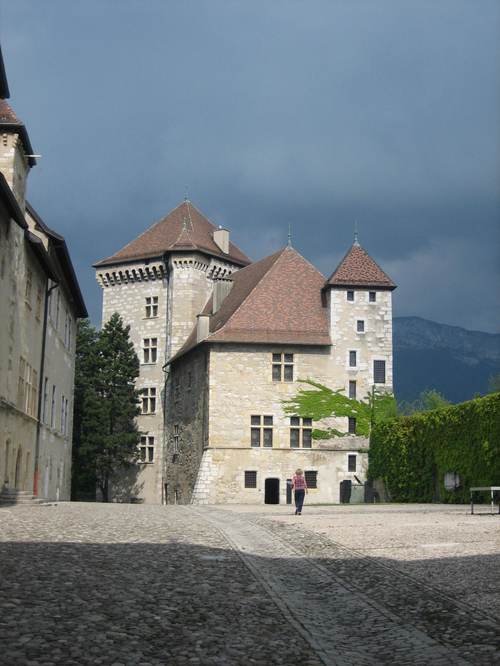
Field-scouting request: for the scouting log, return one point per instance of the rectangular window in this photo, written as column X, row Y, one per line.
column 45, row 399
column 350, row 295
column 250, row 479
column 62, row 414
column 38, row 308
column 311, row 478
column 352, row 390
column 53, row 407
column 282, row 367
column 360, row 326
column 353, row 361
column 261, row 431
column 352, row 425
column 20, row 384
column 372, row 296
column 151, row 307
column 150, row 350
column 379, row 372
column 300, row 432
column 177, row 439
column 28, row 287
column 148, row 400
column 147, row 449
column 351, row 462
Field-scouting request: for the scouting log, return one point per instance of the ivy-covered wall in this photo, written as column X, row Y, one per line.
column 412, row 454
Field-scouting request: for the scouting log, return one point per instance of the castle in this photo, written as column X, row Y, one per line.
column 223, row 342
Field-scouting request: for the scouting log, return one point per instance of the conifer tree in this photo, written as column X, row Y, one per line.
column 119, row 368
column 87, row 416
column 106, row 403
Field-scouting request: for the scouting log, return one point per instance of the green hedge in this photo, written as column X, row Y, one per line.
column 413, row 453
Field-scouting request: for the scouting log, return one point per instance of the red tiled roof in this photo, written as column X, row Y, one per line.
column 184, row 228
column 9, row 121
column 358, row 269
column 7, row 114
column 276, row 300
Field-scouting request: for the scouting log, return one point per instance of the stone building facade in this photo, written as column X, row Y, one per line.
column 159, row 283
column 229, row 438
column 40, row 301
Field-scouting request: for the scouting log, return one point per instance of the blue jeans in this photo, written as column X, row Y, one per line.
column 299, row 499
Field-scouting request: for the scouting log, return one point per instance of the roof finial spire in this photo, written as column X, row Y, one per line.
column 186, row 193
column 356, row 232
column 289, row 235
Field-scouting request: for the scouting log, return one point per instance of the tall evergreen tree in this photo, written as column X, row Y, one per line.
column 106, row 404
column 88, row 416
column 119, row 368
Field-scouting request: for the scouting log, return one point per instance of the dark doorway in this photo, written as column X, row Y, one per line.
column 289, row 491
column 272, row 491
column 345, row 491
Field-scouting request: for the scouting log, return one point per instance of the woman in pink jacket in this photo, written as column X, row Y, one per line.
column 299, row 486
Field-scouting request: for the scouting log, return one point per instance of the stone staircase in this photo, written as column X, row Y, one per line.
column 13, row 497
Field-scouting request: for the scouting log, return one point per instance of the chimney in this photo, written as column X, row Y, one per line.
column 202, row 327
column 221, row 290
column 221, row 238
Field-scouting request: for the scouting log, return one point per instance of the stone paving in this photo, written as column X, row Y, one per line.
column 131, row 584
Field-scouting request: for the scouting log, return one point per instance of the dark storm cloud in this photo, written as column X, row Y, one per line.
column 309, row 113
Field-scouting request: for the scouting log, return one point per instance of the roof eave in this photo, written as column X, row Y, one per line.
column 103, row 263
column 360, row 285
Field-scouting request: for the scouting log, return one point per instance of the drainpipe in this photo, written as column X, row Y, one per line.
column 168, row 322
column 40, row 386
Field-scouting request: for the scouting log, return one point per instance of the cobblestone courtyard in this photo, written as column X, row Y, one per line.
column 132, row 584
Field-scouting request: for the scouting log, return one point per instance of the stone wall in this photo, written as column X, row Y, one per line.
column 374, row 344
column 182, row 286
column 187, row 430
column 14, row 165
column 21, row 312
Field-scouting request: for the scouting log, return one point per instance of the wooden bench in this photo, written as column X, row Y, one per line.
column 491, row 490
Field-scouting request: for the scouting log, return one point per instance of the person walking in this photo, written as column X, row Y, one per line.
column 299, row 486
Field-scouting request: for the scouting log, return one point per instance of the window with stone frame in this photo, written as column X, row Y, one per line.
column 147, row 449
column 150, row 350
column 38, row 307
column 148, row 400
column 372, row 296
column 350, row 295
column 311, row 477
column 261, row 430
column 379, row 372
column 250, row 479
column 351, row 462
column 353, row 359
column 151, row 307
column 53, row 407
column 300, row 432
column 352, row 425
column 176, row 443
column 28, row 287
column 282, row 363
column 21, row 391
column 352, row 389
column 45, row 399
column 360, row 325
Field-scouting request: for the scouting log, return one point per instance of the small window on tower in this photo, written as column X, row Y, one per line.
column 379, row 372
column 351, row 462
column 151, row 307
column 352, row 390
column 360, row 326
column 372, row 296
column 350, row 295
column 353, row 359
column 352, row 425
column 282, row 367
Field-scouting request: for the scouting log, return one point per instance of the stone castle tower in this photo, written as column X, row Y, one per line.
column 159, row 283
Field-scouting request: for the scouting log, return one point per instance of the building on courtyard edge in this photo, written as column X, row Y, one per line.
column 40, row 302
column 223, row 342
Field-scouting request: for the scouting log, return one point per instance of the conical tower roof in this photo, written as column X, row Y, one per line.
column 184, row 228
column 358, row 269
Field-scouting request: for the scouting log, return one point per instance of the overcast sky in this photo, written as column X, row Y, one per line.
column 314, row 113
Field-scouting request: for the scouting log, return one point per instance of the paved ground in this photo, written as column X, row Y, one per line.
column 131, row 584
